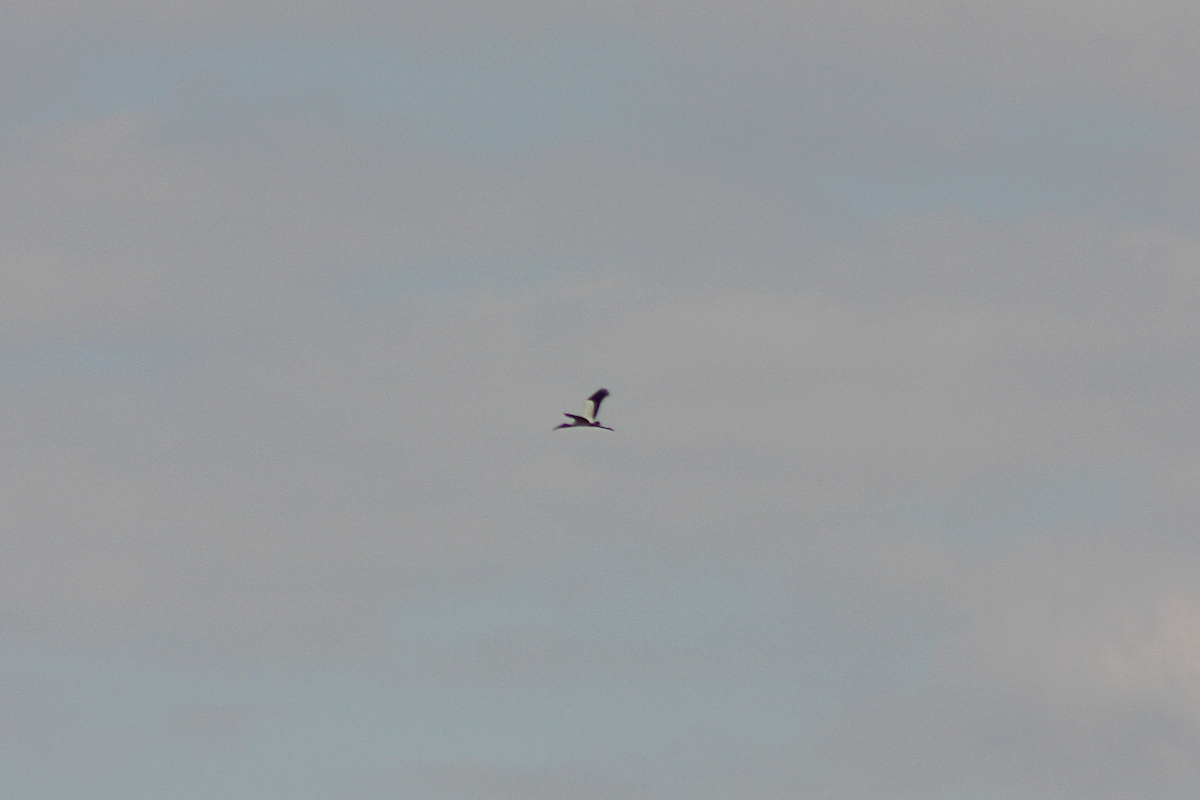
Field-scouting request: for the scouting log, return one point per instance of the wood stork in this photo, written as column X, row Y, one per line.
column 590, row 410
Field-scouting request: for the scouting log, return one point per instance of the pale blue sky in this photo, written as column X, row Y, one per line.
column 897, row 306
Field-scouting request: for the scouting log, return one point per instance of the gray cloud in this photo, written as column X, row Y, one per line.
column 901, row 496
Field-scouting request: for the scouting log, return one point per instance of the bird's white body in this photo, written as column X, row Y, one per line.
column 591, row 409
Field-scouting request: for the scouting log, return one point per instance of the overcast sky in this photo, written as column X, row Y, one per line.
column 897, row 303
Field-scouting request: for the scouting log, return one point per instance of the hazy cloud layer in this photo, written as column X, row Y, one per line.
column 897, row 306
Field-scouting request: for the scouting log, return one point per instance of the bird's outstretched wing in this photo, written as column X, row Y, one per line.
column 591, row 409
column 576, row 417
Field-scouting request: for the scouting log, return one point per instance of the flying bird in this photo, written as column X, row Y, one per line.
column 590, row 410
